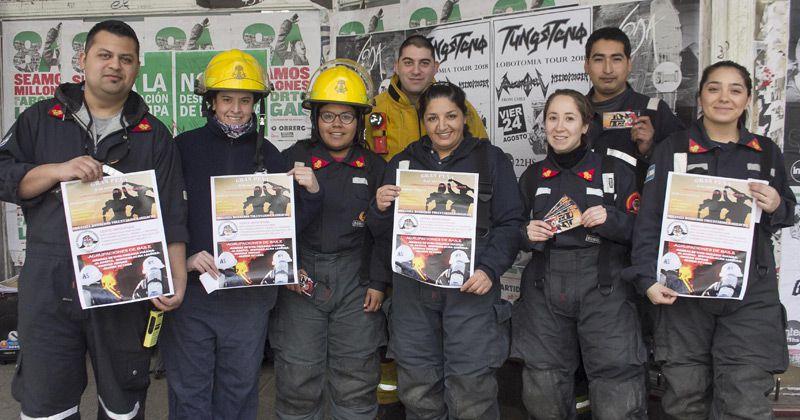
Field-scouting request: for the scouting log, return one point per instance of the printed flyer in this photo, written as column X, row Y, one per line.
column 435, row 218
column 117, row 239
column 254, row 231
column 706, row 236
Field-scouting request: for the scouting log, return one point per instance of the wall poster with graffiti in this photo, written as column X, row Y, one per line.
column 534, row 54
column 39, row 55
column 790, row 238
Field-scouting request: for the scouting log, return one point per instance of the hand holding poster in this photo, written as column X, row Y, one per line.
column 117, row 239
column 706, row 236
column 434, row 226
column 254, row 231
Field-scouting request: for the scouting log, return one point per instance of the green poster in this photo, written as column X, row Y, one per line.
column 155, row 85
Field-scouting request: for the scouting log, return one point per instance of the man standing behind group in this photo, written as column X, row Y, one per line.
column 393, row 123
column 616, row 104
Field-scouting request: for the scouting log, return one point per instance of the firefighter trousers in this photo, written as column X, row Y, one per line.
column 55, row 335
column 213, row 346
column 719, row 355
column 564, row 317
column 447, row 345
column 325, row 344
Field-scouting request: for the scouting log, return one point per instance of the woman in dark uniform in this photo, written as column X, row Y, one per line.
column 572, row 298
column 718, row 355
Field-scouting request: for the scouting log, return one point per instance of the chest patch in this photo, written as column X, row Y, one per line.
column 360, row 180
column 594, row 191
column 542, row 190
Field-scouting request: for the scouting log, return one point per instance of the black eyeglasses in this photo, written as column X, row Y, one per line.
column 346, row 118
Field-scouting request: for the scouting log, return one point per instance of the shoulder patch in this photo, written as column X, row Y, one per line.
column 56, row 111
column 652, row 104
column 632, row 203
column 651, row 173
column 143, row 126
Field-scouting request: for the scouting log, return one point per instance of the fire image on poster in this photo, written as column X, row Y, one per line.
column 706, row 236
column 254, row 231
column 434, row 226
column 117, row 239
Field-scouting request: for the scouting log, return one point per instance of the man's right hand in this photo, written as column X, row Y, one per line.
column 202, row 262
column 661, row 295
column 84, row 168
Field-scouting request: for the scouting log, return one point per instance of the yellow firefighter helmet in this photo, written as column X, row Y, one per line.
column 340, row 81
column 233, row 70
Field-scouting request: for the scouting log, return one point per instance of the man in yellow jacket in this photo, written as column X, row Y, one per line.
column 393, row 123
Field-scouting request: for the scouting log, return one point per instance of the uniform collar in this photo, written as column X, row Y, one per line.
column 70, row 98
column 584, row 169
column 424, row 147
column 395, row 90
column 321, row 157
column 699, row 142
column 623, row 97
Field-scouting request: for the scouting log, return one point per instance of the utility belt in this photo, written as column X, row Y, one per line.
column 608, row 254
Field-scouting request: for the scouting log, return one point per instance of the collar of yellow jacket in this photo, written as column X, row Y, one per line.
column 397, row 93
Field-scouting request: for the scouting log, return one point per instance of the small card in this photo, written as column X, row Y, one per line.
column 619, row 119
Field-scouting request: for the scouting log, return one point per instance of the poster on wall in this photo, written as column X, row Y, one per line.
column 383, row 16
column 173, row 52
column 464, row 54
column 665, row 48
column 377, row 53
column 16, row 233
column 534, row 54
column 790, row 238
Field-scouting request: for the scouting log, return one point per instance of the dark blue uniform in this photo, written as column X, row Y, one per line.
column 213, row 344
column 54, row 332
column 448, row 344
column 617, row 141
column 573, row 302
column 325, row 340
column 718, row 355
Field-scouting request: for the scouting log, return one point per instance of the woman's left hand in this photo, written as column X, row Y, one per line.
column 373, row 300
column 594, row 216
column 767, row 198
column 479, row 283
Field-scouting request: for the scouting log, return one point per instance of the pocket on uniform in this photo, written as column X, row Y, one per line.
column 136, row 375
column 502, row 342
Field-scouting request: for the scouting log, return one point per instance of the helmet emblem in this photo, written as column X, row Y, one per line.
column 238, row 72
column 341, row 88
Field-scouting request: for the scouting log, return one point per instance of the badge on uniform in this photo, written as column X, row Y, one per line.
column 619, row 120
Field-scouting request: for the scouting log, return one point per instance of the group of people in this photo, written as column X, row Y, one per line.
column 578, row 293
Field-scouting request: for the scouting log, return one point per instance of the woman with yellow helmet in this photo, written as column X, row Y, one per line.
column 213, row 344
column 327, row 331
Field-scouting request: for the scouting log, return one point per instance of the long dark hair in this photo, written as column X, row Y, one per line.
column 748, row 81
